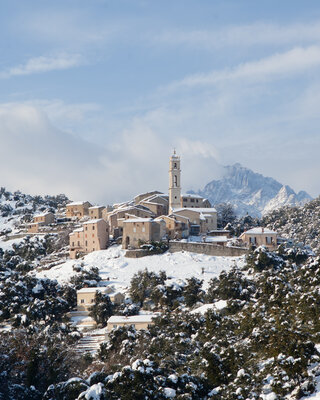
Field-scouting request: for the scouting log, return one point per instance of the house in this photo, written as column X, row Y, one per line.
column 39, row 221
column 177, row 226
column 86, row 297
column 96, row 212
column 77, row 209
column 143, row 196
column 260, row 237
column 117, row 216
column 136, row 321
column 92, row 236
column 142, row 230
column 202, row 220
column 44, row 218
column 194, row 201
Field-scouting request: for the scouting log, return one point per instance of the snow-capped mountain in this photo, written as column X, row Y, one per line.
column 250, row 192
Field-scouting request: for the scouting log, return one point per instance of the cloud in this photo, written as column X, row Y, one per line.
column 259, row 33
column 42, row 64
column 280, row 65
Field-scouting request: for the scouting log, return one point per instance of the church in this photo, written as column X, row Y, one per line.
column 173, row 216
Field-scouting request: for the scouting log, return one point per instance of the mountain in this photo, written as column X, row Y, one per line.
column 250, row 192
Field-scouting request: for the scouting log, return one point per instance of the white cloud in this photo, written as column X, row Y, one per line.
column 43, row 64
column 280, row 65
column 259, row 33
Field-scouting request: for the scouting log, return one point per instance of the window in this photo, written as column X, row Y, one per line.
column 92, row 300
column 86, row 228
column 86, row 243
column 175, row 181
column 192, row 200
column 253, row 240
column 93, row 227
column 134, row 229
column 72, row 244
column 78, row 243
column 268, row 239
column 197, row 201
column 82, row 301
column 143, row 229
column 175, row 165
column 114, row 326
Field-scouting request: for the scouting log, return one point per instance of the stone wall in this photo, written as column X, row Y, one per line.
column 208, row 249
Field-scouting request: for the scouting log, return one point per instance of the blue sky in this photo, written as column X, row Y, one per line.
column 95, row 93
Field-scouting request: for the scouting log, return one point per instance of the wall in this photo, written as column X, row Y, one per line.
column 207, row 248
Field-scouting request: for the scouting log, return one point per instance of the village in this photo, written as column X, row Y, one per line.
column 152, row 222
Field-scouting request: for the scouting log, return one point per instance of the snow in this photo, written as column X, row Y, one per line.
column 93, row 290
column 92, row 221
column 218, row 305
column 199, row 210
column 117, row 270
column 7, row 244
column 118, row 319
column 169, row 393
column 95, row 392
column 138, row 220
column 260, row 231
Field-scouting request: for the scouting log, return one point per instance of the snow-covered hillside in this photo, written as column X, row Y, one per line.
column 250, row 192
column 118, row 270
column 18, row 207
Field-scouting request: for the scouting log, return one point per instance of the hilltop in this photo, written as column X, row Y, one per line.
column 251, row 193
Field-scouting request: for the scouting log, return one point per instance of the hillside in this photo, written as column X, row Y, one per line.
column 17, row 208
column 250, row 192
column 301, row 223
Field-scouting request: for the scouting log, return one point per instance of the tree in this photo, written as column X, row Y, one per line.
column 226, row 214
column 102, row 309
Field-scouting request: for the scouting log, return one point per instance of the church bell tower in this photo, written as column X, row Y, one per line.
column 174, row 183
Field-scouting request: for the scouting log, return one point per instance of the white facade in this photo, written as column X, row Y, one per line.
column 174, row 183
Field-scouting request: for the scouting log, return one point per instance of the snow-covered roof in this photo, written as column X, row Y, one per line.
column 43, row 214
column 196, row 209
column 94, row 207
column 216, row 239
column 77, row 203
column 260, row 231
column 76, row 230
column 118, row 210
column 93, row 221
column 120, row 319
column 138, row 220
column 93, row 290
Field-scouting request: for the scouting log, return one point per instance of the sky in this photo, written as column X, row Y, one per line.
column 96, row 94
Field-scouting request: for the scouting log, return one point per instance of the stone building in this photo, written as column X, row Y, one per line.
column 260, row 237
column 77, row 209
column 92, row 236
column 142, row 230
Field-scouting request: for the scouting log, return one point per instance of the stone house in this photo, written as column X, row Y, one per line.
column 177, row 227
column 96, row 212
column 86, row 297
column 117, row 216
column 39, row 221
column 145, row 230
column 77, row 209
column 260, row 237
column 137, row 321
column 92, row 236
column 202, row 220
column 194, row 201
column 44, row 218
